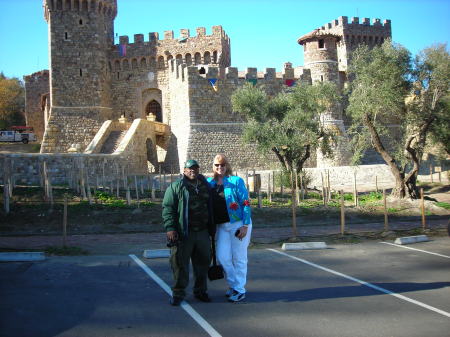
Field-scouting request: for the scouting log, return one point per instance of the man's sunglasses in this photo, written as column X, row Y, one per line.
column 221, row 165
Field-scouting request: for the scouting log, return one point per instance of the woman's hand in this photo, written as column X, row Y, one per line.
column 242, row 232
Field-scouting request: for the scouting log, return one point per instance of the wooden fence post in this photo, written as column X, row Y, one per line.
column 355, row 191
column 65, row 221
column 269, row 192
column 246, row 181
column 342, row 213
column 128, row 195
column 103, row 176
column 324, row 198
column 328, row 186
column 422, row 208
column 6, row 198
column 136, row 187
column 160, row 179
column 88, row 189
column 386, row 223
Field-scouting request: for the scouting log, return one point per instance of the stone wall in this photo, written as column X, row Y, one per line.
column 68, row 126
column 36, row 85
column 63, row 169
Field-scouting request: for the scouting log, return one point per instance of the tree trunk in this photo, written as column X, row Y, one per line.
column 294, row 203
column 399, row 190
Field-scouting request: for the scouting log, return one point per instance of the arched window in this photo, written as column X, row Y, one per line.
column 117, row 65
column 143, row 63
column 152, row 62
column 161, row 64
column 207, row 58
column 126, row 65
column 197, row 58
column 84, row 6
column 154, row 108
column 188, row 59
column 179, row 59
column 215, row 60
column 134, row 64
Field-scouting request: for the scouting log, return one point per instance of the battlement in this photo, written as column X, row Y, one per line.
column 217, row 31
column 105, row 7
column 182, row 71
column 343, row 22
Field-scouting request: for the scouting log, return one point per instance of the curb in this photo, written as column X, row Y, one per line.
column 156, row 253
column 22, row 256
column 411, row 239
column 304, row 245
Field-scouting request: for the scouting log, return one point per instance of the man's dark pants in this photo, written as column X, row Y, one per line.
column 197, row 246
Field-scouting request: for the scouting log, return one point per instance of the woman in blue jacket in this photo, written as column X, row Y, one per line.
column 234, row 226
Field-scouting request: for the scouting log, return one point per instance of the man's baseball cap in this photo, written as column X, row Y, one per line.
column 190, row 163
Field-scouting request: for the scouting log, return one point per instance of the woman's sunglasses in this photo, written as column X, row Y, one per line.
column 221, row 165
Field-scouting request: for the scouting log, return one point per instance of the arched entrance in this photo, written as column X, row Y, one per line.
column 154, row 108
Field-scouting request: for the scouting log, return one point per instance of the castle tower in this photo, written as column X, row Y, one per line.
column 321, row 58
column 320, row 55
column 81, row 33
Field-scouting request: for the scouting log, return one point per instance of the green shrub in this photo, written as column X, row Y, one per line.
column 445, row 205
column 371, row 197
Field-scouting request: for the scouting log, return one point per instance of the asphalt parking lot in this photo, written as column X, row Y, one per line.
column 365, row 289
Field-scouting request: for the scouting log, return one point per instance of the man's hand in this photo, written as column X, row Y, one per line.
column 172, row 236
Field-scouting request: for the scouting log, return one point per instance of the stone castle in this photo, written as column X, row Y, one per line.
column 162, row 101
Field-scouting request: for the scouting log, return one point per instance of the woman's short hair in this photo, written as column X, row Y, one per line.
column 221, row 159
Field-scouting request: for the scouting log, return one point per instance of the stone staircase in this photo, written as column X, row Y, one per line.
column 113, row 141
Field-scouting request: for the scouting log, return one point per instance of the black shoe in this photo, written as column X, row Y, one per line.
column 176, row 301
column 204, row 297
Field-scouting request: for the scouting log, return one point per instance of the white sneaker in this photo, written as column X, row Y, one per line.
column 236, row 297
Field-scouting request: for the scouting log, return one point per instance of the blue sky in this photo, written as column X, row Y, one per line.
column 263, row 32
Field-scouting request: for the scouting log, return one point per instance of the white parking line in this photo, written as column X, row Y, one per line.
column 194, row 314
column 367, row 284
column 419, row 250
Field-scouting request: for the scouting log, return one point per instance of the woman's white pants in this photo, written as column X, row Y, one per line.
column 232, row 254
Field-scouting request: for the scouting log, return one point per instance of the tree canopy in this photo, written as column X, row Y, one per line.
column 288, row 124
column 393, row 103
column 12, row 101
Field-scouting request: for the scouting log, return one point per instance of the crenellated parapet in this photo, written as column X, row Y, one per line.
column 156, row 53
column 183, row 72
column 348, row 35
column 354, row 32
column 103, row 7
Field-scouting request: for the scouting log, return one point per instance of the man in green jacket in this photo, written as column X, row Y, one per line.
column 187, row 216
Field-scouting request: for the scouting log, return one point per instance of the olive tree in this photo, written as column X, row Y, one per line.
column 287, row 125
column 393, row 103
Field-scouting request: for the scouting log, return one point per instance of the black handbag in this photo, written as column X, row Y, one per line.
column 215, row 272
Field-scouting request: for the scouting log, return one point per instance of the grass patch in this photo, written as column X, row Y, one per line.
column 371, row 197
column 393, row 210
column 445, row 205
column 65, row 250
